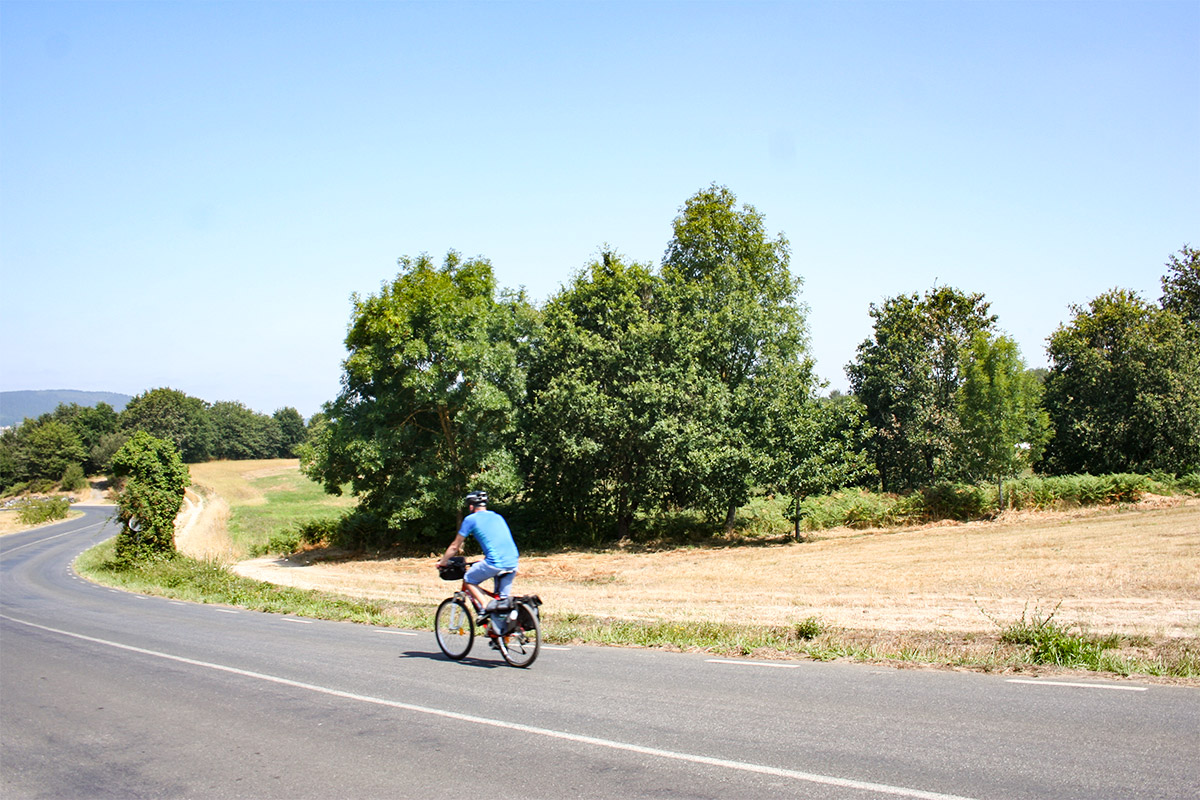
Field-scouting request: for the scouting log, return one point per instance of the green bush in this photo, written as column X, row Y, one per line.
column 155, row 480
column 73, row 479
column 958, row 501
column 1189, row 483
column 809, row 628
column 1067, row 491
column 289, row 540
column 853, row 508
column 1051, row 642
column 43, row 509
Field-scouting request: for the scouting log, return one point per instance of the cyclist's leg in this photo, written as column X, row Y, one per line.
column 476, row 575
column 504, row 582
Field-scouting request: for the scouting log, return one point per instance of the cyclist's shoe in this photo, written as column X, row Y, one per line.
column 492, row 643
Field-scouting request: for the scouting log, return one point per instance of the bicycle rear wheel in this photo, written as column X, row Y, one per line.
column 521, row 645
column 454, row 627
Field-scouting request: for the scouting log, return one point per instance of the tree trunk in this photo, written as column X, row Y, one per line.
column 624, row 523
column 730, row 518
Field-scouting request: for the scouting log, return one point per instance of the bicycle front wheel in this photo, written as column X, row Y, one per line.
column 455, row 628
column 521, row 645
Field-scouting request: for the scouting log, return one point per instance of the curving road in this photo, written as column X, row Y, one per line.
column 110, row 694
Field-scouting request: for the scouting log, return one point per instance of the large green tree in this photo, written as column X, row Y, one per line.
column 907, row 376
column 292, row 431
column 1004, row 427
column 735, row 313
column 1123, row 392
column 436, row 365
column 174, row 416
column 240, row 433
column 49, row 448
column 602, row 428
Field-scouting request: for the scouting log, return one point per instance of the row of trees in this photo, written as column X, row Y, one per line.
column 635, row 389
column 949, row 399
column 75, row 439
column 631, row 391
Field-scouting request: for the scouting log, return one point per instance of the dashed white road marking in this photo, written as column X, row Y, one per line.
column 398, row 633
column 752, row 663
column 1081, row 685
column 610, row 744
column 294, row 619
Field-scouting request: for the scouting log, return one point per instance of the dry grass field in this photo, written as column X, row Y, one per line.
column 1134, row 571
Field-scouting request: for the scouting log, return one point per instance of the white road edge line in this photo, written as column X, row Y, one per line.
column 752, row 663
column 1082, row 685
column 301, row 621
column 398, row 633
column 553, row 647
column 807, row 777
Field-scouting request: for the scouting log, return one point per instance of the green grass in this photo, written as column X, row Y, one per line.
column 195, row 581
column 290, row 499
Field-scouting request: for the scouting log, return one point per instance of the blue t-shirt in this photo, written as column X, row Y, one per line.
column 493, row 535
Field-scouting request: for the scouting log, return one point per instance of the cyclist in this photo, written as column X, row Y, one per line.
column 499, row 550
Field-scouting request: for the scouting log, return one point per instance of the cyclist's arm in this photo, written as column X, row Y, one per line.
column 454, row 549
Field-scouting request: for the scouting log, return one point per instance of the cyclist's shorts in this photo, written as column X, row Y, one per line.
column 483, row 570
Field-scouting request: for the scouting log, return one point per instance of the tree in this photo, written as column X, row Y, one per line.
column 1123, row 392
column 292, row 432
column 1004, row 428
column 239, row 433
column 601, row 427
column 89, row 423
column 822, row 447
column 907, row 377
column 92, row 425
column 1181, row 285
column 51, row 447
column 735, row 313
column 172, row 415
column 154, row 480
column 435, row 368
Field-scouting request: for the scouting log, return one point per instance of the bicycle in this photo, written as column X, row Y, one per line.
column 520, row 640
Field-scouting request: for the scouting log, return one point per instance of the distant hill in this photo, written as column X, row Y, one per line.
column 16, row 406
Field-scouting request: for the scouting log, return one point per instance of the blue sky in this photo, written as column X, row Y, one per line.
column 190, row 192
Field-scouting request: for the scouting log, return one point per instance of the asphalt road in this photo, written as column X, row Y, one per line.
column 106, row 694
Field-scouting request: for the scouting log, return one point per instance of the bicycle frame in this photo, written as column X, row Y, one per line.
column 479, row 606
column 517, row 636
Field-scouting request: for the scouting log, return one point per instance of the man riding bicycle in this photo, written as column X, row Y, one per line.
column 499, row 550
